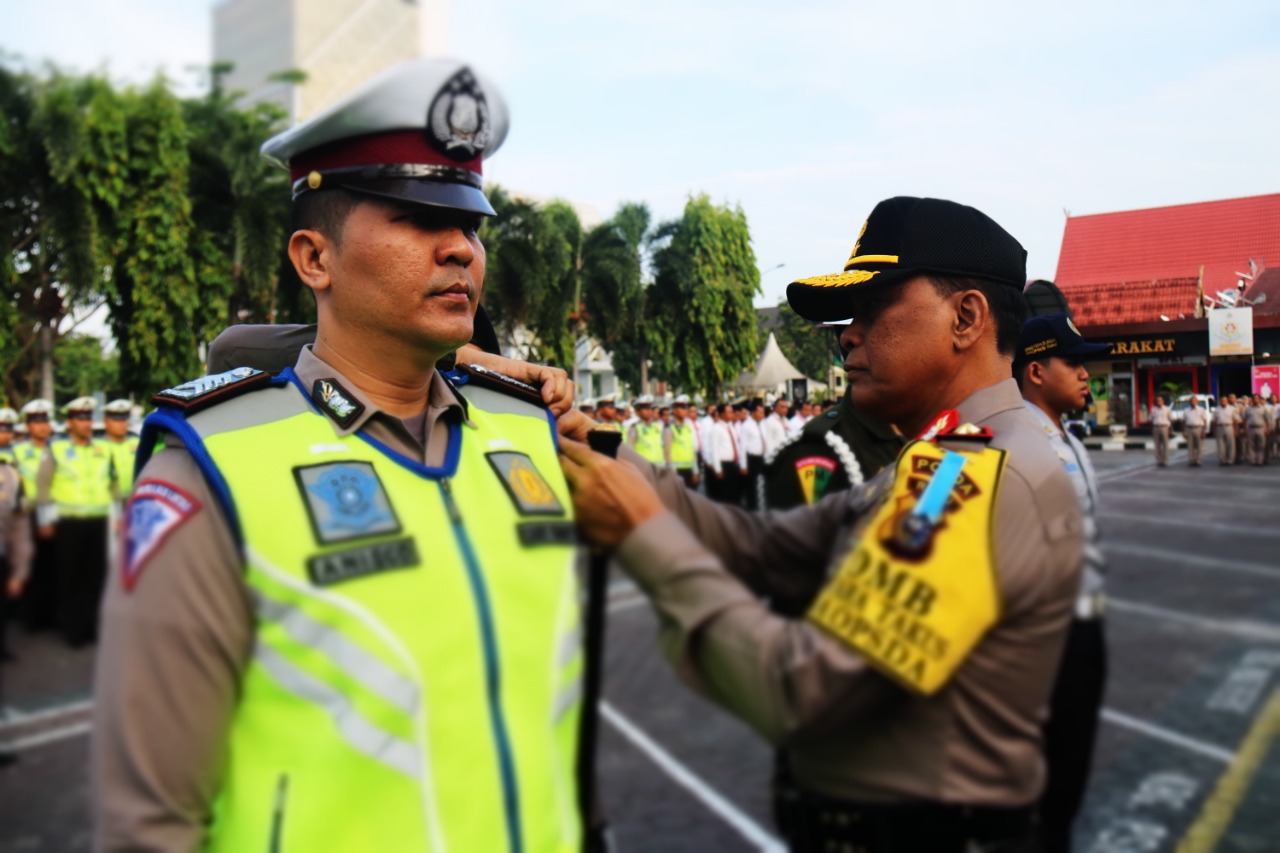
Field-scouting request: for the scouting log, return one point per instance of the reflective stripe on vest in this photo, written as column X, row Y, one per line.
column 81, row 484
column 649, row 441
column 682, row 445
column 424, row 707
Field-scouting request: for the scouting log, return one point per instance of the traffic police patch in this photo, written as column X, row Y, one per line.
column 155, row 510
column 336, row 401
column 529, row 491
column 345, row 501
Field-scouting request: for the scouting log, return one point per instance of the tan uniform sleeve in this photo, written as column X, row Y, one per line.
column 172, row 655
column 21, row 546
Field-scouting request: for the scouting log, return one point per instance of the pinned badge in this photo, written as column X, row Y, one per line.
column 814, row 473
column 336, row 401
column 458, row 119
column 346, row 500
column 528, row 489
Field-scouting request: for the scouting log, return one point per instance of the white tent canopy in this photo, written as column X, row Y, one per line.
column 772, row 370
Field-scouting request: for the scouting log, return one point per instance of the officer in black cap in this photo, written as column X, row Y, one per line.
column 317, row 641
column 1052, row 373
column 908, row 698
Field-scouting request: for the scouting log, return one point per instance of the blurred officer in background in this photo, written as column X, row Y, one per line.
column 681, row 442
column 645, row 435
column 910, row 697
column 39, row 605
column 73, row 499
column 1051, row 372
column 1195, row 425
column 15, row 549
column 1225, row 420
column 121, row 444
column 8, row 423
column 320, row 639
column 840, row 448
column 1161, row 430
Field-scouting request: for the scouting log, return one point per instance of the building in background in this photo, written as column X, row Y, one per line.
column 336, row 44
column 1154, row 281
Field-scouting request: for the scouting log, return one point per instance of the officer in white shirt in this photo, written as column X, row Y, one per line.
column 1195, row 425
column 1225, row 419
column 1161, row 425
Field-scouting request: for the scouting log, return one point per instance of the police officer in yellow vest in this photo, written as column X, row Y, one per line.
column 73, row 498
column 122, row 444
column 680, row 440
column 38, row 606
column 645, row 435
column 347, row 617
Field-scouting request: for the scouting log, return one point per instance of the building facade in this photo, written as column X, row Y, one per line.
column 1153, row 281
column 336, row 44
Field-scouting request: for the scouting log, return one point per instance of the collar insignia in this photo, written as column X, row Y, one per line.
column 943, row 423
column 346, row 500
column 458, row 120
column 336, row 401
column 528, row 489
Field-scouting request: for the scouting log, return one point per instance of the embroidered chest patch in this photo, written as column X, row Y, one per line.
column 814, row 473
column 528, row 489
column 346, row 500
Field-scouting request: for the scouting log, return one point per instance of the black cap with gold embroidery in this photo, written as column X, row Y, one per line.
column 905, row 237
column 417, row 133
column 1055, row 335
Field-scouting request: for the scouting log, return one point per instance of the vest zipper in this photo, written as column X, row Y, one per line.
column 493, row 674
column 277, row 813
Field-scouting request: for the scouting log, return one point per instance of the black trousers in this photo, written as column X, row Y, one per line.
column 5, row 605
column 39, row 602
column 1071, row 730
column 728, row 488
column 82, row 571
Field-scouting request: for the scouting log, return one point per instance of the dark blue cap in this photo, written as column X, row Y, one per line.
column 1055, row 334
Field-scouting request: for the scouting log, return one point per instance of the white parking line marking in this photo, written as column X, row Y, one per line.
column 51, row 736
column 731, row 815
column 1254, row 531
column 1169, row 554
column 1151, row 730
column 1237, row 627
column 14, row 717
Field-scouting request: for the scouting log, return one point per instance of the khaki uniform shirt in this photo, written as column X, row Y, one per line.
column 1161, row 416
column 1255, row 417
column 174, row 648
column 850, row 732
column 15, row 531
column 1196, row 419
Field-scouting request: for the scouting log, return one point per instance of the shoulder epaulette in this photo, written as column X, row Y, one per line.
column 190, row 397
column 468, row 374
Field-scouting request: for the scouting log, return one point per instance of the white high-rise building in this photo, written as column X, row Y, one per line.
column 336, row 44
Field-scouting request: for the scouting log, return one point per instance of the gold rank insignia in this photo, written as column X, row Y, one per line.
column 528, row 489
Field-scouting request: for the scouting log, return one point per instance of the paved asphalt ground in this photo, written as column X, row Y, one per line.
column 1188, row 757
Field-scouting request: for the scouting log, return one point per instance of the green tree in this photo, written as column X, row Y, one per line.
column 700, row 323
column 532, row 274
column 614, row 291
column 82, row 367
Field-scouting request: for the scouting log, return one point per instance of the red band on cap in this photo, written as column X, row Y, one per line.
column 375, row 149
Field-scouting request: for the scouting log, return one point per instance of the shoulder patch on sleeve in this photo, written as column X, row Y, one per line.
column 919, row 590
column 492, row 379
column 156, row 509
column 197, row 394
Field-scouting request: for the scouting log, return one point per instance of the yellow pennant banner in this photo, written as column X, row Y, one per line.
column 915, row 606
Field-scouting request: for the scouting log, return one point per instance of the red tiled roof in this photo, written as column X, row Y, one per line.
column 1140, row 260
column 1266, row 287
column 1120, row 303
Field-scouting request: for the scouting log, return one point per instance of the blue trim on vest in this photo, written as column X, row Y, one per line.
column 171, row 420
column 493, row 673
column 453, row 453
column 555, row 436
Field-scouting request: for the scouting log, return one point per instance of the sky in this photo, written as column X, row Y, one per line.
column 806, row 114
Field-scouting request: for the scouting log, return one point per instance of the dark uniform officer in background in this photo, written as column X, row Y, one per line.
column 840, row 448
column 910, row 699
column 1050, row 369
column 318, row 640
